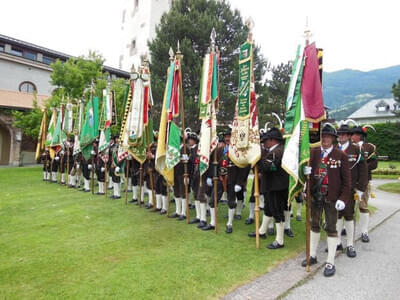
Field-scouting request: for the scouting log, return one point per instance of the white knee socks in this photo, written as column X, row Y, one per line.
column 231, row 214
column 314, row 240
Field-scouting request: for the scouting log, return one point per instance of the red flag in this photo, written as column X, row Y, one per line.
column 311, row 88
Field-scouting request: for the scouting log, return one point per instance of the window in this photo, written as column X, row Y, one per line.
column 1, row 48
column 133, row 47
column 48, row 60
column 123, row 16
column 29, row 55
column 27, row 87
column 16, row 51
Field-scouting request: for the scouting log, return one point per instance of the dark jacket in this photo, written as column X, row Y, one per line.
column 273, row 176
column 339, row 186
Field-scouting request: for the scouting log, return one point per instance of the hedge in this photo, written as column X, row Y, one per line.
column 386, row 139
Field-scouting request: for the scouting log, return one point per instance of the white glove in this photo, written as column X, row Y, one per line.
column 77, row 166
column 340, row 205
column 93, row 152
column 62, row 152
column 238, row 188
column 56, row 158
column 360, row 194
column 185, row 157
column 102, row 169
column 89, row 167
column 307, row 170
column 209, row 181
column 117, row 170
column 186, row 180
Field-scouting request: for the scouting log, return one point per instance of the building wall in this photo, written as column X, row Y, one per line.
column 139, row 19
column 376, row 120
column 11, row 139
column 19, row 71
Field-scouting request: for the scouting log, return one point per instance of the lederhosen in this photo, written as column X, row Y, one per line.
column 236, row 176
column 359, row 178
column 330, row 181
column 275, row 183
column 221, row 169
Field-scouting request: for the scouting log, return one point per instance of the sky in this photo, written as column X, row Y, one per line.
column 354, row 34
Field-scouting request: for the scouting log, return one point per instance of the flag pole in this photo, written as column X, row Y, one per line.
column 146, row 69
column 215, row 160
column 126, row 181
column 92, row 171
column 140, row 184
column 250, row 25
column 179, row 57
column 307, row 35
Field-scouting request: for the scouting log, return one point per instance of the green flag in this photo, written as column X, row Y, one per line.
column 297, row 147
column 90, row 129
column 58, row 134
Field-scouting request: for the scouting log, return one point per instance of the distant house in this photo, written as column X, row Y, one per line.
column 24, row 71
column 377, row 111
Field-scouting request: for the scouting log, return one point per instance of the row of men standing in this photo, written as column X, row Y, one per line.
column 339, row 175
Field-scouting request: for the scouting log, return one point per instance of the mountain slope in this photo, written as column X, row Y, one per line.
column 346, row 90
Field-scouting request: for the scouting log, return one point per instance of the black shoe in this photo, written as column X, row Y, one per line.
column 299, row 218
column 229, row 229
column 148, row 206
column 208, row 227
column 253, row 234
column 194, row 221
column 313, row 261
column 249, row 221
column 351, row 252
column 365, row 238
column 157, row 210
column 275, row 245
column 271, row 231
column 163, row 212
column 133, row 201
column 109, row 188
column 174, row 215
column 343, row 231
column 291, row 215
column 98, row 193
column 338, row 248
column 181, row 218
column 238, row 217
column 329, row 270
column 289, row 233
column 201, row 225
column 116, row 197
column 86, row 191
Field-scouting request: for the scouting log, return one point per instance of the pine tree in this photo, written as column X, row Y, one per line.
column 190, row 22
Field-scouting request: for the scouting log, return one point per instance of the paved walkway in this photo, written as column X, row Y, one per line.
column 289, row 274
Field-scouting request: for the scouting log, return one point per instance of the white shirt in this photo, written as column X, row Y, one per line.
column 273, row 147
column 344, row 146
column 326, row 151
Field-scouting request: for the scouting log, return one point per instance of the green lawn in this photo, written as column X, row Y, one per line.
column 61, row 243
column 386, row 164
column 390, row 187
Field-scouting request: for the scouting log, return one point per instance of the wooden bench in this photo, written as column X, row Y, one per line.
column 383, row 157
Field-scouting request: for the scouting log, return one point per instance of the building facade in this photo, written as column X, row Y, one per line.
column 139, row 20
column 25, row 75
column 377, row 111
